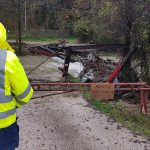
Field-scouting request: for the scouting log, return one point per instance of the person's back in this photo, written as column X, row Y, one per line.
column 15, row 91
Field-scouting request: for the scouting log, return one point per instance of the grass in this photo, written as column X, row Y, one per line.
column 71, row 78
column 50, row 39
column 134, row 121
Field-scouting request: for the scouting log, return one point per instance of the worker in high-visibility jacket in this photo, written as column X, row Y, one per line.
column 15, row 91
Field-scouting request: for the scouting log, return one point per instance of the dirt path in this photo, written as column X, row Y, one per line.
column 68, row 122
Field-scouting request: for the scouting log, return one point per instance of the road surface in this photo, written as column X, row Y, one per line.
column 68, row 121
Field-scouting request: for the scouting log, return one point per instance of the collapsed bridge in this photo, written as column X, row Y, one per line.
column 66, row 53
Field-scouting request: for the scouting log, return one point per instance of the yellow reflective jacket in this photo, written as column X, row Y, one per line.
column 15, row 89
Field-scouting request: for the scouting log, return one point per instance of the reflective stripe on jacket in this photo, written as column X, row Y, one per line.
column 15, row 89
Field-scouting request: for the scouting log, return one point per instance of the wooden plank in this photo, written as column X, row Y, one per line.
column 102, row 91
column 98, row 46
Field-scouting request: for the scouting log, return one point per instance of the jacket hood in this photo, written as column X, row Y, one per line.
column 3, row 39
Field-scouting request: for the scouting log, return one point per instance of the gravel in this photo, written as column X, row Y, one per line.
column 69, row 122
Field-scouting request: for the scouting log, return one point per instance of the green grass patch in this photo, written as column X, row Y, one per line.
column 50, row 39
column 71, row 78
column 134, row 121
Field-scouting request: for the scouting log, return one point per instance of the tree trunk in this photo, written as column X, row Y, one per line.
column 19, row 28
